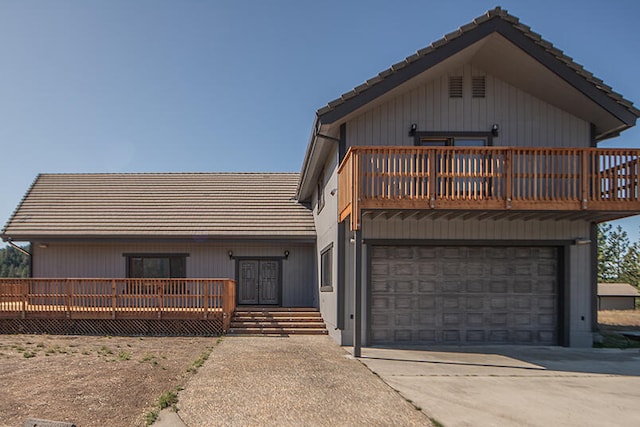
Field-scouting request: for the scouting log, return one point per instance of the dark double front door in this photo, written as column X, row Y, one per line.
column 259, row 282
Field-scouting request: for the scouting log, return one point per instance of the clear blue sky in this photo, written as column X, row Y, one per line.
column 168, row 86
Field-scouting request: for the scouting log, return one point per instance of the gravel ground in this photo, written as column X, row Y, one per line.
column 287, row 381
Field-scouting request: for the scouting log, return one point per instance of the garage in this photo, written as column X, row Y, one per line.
column 463, row 295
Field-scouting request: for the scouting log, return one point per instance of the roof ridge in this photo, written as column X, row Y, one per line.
column 495, row 13
column 162, row 173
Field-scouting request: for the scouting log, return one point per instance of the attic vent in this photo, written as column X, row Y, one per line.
column 478, row 86
column 455, row 86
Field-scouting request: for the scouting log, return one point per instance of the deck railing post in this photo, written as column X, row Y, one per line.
column 584, row 182
column 25, row 296
column 160, row 290
column 228, row 303
column 508, row 184
column 356, row 191
column 205, row 294
column 69, row 286
column 114, row 298
column 432, row 176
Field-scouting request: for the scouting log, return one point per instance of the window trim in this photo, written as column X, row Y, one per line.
column 169, row 256
column 450, row 137
column 328, row 252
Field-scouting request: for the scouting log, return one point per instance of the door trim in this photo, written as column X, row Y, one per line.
column 264, row 258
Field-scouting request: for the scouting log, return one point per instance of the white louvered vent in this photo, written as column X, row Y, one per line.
column 478, row 86
column 455, row 86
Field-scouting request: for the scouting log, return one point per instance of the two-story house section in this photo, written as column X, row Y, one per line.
column 456, row 194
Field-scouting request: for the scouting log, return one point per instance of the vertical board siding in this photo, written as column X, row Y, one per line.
column 524, row 120
column 473, row 230
column 205, row 260
column 327, row 234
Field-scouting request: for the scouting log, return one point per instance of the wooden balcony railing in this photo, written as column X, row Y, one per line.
column 178, row 299
column 487, row 178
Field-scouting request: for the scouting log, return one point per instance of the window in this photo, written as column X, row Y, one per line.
column 320, row 191
column 461, row 173
column 156, row 266
column 326, row 269
column 457, row 141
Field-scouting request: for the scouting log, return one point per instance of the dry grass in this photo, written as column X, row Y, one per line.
column 619, row 319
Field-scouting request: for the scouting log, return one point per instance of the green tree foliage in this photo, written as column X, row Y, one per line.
column 13, row 263
column 618, row 258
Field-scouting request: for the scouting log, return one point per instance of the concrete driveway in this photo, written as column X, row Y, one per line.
column 515, row 386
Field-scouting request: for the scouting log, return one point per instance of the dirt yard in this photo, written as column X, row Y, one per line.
column 116, row 381
column 91, row 381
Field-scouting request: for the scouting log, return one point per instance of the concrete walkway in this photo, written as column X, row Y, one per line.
column 516, row 386
column 289, row 381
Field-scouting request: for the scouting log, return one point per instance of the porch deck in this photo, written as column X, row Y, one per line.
column 489, row 182
column 119, row 299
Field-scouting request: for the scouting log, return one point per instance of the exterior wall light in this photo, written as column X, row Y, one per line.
column 286, row 254
column 581, row 241
column 413, row 129
column 495, row 129
column 230, row 253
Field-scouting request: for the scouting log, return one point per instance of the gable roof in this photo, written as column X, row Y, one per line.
column 161, row 205
column 493, row 21
column 617, row 290
column 554, row 73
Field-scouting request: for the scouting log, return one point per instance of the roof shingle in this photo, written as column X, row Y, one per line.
column 249, row 205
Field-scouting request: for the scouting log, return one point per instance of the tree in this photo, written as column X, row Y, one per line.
column 13, row 263
column 618, row 258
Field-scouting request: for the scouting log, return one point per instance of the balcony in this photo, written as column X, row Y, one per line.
column 119, row 299
column 488, row 183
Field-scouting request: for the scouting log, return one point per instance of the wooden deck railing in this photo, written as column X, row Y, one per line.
column 487, row 178
column 118, row 298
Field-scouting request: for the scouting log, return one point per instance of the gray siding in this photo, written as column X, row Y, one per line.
column 616, row 303
column 206, row 260
column 326, row 225
column 524, row 119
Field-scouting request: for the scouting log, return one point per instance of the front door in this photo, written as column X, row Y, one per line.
column 258, row 282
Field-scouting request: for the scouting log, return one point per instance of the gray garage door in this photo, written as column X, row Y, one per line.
column 463, row 295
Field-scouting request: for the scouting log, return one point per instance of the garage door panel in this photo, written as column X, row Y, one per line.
column 463, row 295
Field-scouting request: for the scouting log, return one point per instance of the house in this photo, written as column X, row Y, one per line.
column 451, row 199
column 195, row 225
column 617, row 296
column 468, row 186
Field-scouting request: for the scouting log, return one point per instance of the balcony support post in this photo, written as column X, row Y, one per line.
column 357, row 310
